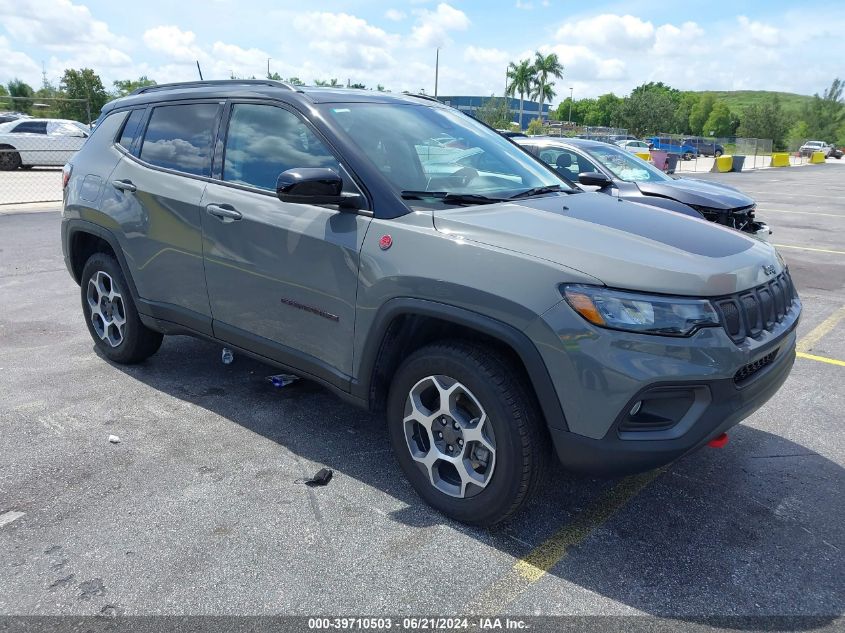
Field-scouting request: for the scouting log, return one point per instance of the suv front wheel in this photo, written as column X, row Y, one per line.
column 466, row 431
column 110, row 313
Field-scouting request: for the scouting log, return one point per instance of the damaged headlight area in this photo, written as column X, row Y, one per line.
column 634, row 312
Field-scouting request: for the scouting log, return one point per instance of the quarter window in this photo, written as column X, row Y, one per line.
column 130, row 128
column 180, row 137
column 264, row 140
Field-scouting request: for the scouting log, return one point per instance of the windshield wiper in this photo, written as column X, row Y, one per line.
column 537, row 191
column 451, row 198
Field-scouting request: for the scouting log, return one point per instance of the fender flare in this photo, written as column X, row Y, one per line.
column 518, row 341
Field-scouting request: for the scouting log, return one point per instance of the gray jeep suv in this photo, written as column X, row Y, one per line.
column 414, row 261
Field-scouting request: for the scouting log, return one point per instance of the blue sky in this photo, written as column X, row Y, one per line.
column 605, row 46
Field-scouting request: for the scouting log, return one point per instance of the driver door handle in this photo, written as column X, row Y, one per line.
column 223, row 212
column 124, row 185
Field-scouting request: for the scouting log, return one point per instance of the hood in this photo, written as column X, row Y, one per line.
column 623, row 244
column 698, row 192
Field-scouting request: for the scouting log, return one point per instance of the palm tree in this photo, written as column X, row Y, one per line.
column 520, row 79
column 545, row 67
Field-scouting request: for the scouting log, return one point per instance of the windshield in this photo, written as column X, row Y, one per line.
column 626, row 166
column 432, row 149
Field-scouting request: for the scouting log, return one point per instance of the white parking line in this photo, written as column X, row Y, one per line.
column 10, row 516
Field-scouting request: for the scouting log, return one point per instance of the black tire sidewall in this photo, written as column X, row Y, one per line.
column 498, row 498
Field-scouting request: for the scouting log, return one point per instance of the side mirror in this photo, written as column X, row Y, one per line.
column 314, row 185
column 594, row 179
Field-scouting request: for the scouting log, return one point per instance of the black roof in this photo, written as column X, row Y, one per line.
column 261, row 88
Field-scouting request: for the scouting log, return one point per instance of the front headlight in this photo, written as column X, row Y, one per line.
column 633, row 312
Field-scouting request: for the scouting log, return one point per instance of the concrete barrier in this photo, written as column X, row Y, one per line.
column 644, row 155
column 817, row 157
column 780, row 159
column 723, row 164
column 738, row 163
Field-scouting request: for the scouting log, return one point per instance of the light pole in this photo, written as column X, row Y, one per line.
column 569, row 120
column 436, row 70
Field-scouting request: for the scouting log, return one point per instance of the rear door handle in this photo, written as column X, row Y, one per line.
column 124, row 185
column 225, row 213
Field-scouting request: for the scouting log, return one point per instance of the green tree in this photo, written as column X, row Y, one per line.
column 798, row 134
column 123, row 87
column 520, row 77
column 82, row 84
column 495, row 113
column 359, row 86
column 700, row 113
column 720, row 122
column 545, row 68
column 603, row 112
column 295, row 81
column 826, row 113
column 648, row 109
column 683, row 110
column 765, row 120
column 23, row 93
column 274, row 76
column 535, row 127
column 332, row 83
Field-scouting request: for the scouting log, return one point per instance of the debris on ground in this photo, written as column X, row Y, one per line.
column 282, row 380
column 114, row 439
column 227, row 356
column 323, row 476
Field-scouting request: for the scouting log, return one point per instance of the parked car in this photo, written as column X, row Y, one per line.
column 491, row 311
column 5, row 117
column 634, row 146
column 810, row 147
column 616, row 172
column 704, row 147
column 667, row 144
column 29, row 142
column 836, row 152
column 511, row 134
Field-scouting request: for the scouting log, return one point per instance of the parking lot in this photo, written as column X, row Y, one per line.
column 199, row 509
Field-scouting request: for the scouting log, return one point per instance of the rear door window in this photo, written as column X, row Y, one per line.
column 179, row 137
column 31, row 127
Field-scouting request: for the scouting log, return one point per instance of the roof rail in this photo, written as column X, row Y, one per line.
column 217, row 82
column 426, row 97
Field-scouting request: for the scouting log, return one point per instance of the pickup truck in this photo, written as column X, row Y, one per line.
column 670, row 145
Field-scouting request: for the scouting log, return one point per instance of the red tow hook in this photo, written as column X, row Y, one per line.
column 718, row 442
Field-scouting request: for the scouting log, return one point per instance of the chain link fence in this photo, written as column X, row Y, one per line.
column 38, row 135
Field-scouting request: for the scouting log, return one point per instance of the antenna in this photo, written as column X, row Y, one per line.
column 199, row 70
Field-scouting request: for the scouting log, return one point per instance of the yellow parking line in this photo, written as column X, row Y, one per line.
column 821, row 359
column 808, row 248
column 815, row 335
column 536, row 564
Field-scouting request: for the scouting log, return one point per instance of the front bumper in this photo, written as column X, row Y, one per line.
column 707, row 382
column 613, row 456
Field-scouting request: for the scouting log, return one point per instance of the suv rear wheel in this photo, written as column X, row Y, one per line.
column 466, row 431
column 110, row 313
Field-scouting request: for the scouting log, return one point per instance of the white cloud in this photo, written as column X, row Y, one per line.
column 525, row 5
column 55, row 24
column 173, row 42
column 14, row 63
column 608, row 31
column 582, row 63
column 759, row 33
column 432, row 27
column 347, row 40
column 395, row 15
column 486, row 56
column 672, row 40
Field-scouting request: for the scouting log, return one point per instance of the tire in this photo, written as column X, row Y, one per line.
column 9, row 160
column 106, row 301
column 484, row 380
column 687, row 156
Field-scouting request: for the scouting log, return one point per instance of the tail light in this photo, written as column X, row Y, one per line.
column 66, row 170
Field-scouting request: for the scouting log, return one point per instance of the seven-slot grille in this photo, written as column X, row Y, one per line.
column 750, row 312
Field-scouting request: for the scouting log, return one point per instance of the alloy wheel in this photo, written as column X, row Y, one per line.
column 449, row 436
column 108, row 311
